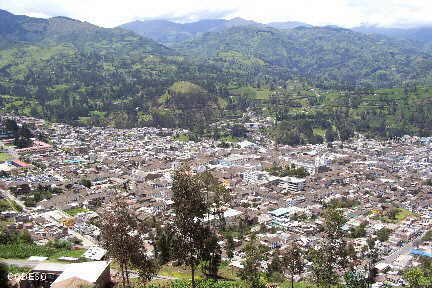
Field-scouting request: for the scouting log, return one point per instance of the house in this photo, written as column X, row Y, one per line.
column 91, row 273
column 95, row 253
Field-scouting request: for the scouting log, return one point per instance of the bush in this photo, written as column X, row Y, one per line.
column 60, row 244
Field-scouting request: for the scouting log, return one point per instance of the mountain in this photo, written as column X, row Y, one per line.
column 422, row 34
column 82, row 35
column 67, row 70
column 322, row 53
column 168, row 32
column 287, row 25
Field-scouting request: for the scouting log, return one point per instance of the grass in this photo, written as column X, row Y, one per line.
column 404, row 214
column 180, row 272
column 14, row 269
column 401, row 215
column 23, row 251
column 66, row 253
column 182, row 138
column 230, row 139
column 75, row 211
column 4, row 157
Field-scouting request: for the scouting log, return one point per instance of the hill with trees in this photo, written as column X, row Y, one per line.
column 421, row 34
column 326, row 55
column 67, row 70
column 169, row 32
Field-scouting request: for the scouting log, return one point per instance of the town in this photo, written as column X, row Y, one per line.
column 56, row 189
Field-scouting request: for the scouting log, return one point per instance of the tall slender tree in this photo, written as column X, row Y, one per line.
column 121, row 237
column 293, row 261
column 190, row 209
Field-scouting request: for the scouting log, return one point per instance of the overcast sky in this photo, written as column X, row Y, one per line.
column 346, row 13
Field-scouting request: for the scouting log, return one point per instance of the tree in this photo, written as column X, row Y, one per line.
column 293, row 261
column 238, row 131
column 211, row 256
column 250, row 273
column 354, row 279
column 330, row 135
column 3, row 275
column 11, row 125
column 86, row 183
column 163, row 245
column 275, row 265
column 22, row 142
column 230, row 245
column 25, row 132
column 332, row 253
column 190, row 209
column 121, row 237
column 417, row 278
column 383, row 234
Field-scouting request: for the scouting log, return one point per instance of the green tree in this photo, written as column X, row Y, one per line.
column 191, row 209
column 331, row 256
column 417, row 278
column 330, row 135
column 11, row 125
column 3, row 275
column 230, row 246
column 293, row 261
column 121, row 237
column 251, row 271
column 355, row 279
column 383, row 234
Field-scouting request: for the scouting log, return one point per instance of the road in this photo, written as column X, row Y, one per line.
column 404, row 250
column 11, row 197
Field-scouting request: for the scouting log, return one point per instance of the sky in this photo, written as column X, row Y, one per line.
column 345, row 13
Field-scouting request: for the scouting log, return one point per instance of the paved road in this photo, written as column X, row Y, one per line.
column 404, row 250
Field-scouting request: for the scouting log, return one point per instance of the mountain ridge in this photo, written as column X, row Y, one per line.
column 168, row 32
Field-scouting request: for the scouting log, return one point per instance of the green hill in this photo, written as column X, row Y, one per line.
column 67, row 70
column 323, row 54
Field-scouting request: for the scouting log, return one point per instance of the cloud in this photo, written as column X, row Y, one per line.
column 347, row 13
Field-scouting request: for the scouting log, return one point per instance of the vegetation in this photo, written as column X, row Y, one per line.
column 326, row 54
column 6, row 204
column 427, row 236
column 33, row 196
column 14, row 269
column 195, row 239
column 3, row 275
column 293, row 262
column 383, row 234
column 23, row 251
column 121, row 237
column 250, row 273
column 4, row 157
column 318, row 83
column 332, row 255
column 421, row 276
column 75, row 211
column 341, row 203
column 288, row 170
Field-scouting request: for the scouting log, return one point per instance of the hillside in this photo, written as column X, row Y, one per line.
column 67, row 70
column 421, row 34
column 325, row 54
column 168, row 32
